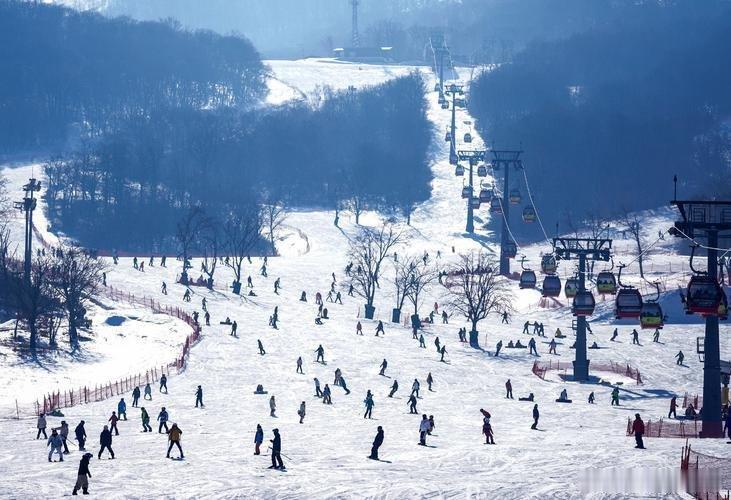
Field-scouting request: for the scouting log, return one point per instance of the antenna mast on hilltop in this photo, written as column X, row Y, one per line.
column 356, row 40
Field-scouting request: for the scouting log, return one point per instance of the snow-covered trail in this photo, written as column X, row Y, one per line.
column 326, row 454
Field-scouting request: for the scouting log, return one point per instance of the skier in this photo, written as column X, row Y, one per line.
column 680, row 356
column 186, row 295
column 656, row 335
column 635, row 337
column 443, row 352
column 174, row 437
column 320, row 354
column 505, row 318
column 423, row 428
column 63, row 431
column 164, row 383
column 80, row 433
column 673, row 407
column 445, row 318
column 234, row 327
column 326, row 395
column 261, row 347
column 258, row 439
column 591, row 398
column 162, row 417
column 276, row 451
column 615, row 397
column 299, row 365
column 614, row 335
column 369, row 404
column 272, row 407
column 199, row 397
column 105, row 440
column 432, row 426
column 338, row 298
column 535, row 417
column 148, row 391
column 208, row 318
column 350, row 290
column 552, row 347
column 638, row 429
column 412, row 404
column 498, row 346
column 394, row 388
column 301, row 412
column 415, row 387
column 379, row 328
column 318, row 299
column 532, row 346
column 204, row 304
column 338, row 374
column 429, row 381
column 487, row 427
column 508, row 390
column 135, row 396
column 249, row 283
column 122, row 409
column 55, row 442
column 384, row 365
column 436, row 343
column 276, row 286
column 145, row 420
column 164, row 288
column 422, row 342
column 377, row 442
column 113, row 419
column 303, row 296
column 41, row 426
column 318, row 392
column 83, row 475
column 525, row 327
column 359, row 328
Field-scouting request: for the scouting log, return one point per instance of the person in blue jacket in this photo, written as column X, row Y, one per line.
column 122, row 409
column 258, row 439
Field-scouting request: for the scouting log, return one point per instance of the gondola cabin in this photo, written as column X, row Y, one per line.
column 482, row 171
column 459, row 170
column 475, row 202
column 495, row 206
column 651, row 315
column 485, row 195
column 445, row 104
column 529, row 214
column 510, row 249
column 527, row 279
column 467, row 137
column 548, row 264
column 628, row 303
column 704, row 295
column 571, row 288
column 606, row 283
column 551, row 286
column 448, row 136
column 583, row 304
column 467, row 192
column 515, row 196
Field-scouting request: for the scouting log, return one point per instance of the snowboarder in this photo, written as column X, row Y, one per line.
column 422, row 342
column 508, row 390
column 487, row 427
column 377, row 442
column 105, row 440
column 674, row 406
column 369, row 404
column 443, row 352
column 384, row 365
column 429, row 381
column 276, row 451
column 326, row 395
column 164, row 383
column 423, row 428
column 174, row 435
column 379, row 328
column 55, row 442
column 301, row 412
column 656, row 335
column 234, row 327
column 261, row 347
column 615, row 397
column 148, row 392
column 272, row 407
column 162, row 417
column 412, row 405
column 394, row 388
column 199, row 397
column 258, row 439
column 415, row 387
column 320, row 354
column 145, row 420
column 680, row 356
column 135, row 396
column 318, row 392
column 122, row 409
column 344, row 385
column 615, row 333
column 41, row 426
column 532, row 346
column 338, row 374
column 635, row 337
column 80, row 433
column 303, row 296
column 113, row 419
column 535, row 417
column 359, row 328
column 299, row 365
column 591, row 398
column 498, row 346
column 638, row 429
column 552, row 347
column 83, row 475
column 164, row 288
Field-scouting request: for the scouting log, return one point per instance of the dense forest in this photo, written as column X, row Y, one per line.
column 64, row 74
column 608, row 116
column 348, row 149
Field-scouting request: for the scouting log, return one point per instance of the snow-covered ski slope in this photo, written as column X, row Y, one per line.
column 326, row 455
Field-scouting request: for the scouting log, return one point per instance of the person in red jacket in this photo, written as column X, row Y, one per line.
column 638, row 429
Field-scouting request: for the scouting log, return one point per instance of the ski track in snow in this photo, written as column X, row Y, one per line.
column 327, row 453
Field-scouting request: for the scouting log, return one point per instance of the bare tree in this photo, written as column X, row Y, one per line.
column 75, row 277
column 187, row 233
column 357, row 205
column 421, row 277
column 634, row 227
column 210, row 240
column 476, row 289
column 401, row 283
column 598, row 228
column 34, row 299
column 273, row 216
column 367, row 252
column 242, row 234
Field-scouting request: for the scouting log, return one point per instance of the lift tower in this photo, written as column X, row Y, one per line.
column 473, row 157
column 356, row 36
column 27, row 206
column 503, row 160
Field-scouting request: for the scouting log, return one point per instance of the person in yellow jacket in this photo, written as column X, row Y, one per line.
column 174, row 437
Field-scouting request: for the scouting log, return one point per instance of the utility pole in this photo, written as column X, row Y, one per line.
column 706, row 219
column 356, row 37
column 27, row 206
column 473, row 157
column 583, row 249
column 503, row 160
